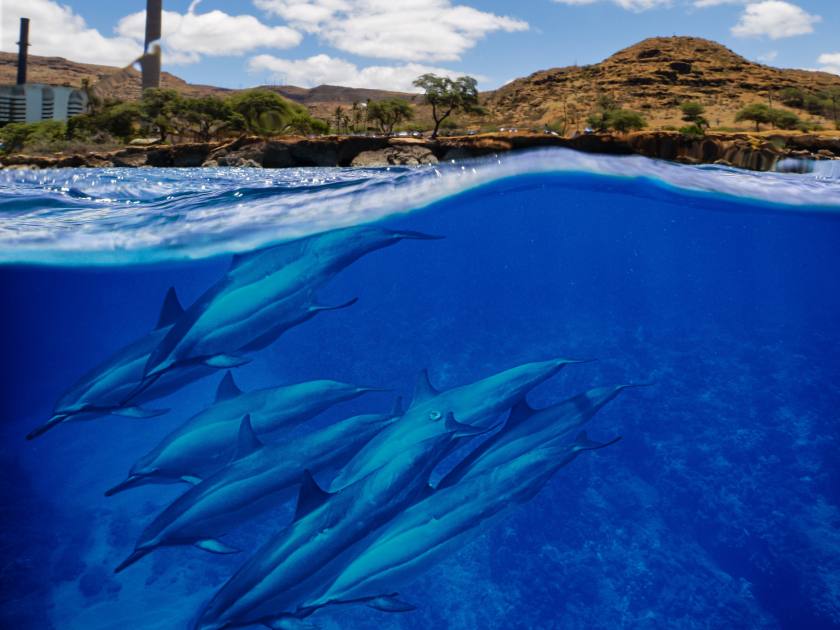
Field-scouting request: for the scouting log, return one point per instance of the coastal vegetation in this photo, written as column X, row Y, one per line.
column 447, row 96
column 388, row 113
column 609, row 116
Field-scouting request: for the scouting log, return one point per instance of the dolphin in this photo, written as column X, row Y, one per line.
column 207, row 441
column 438, row 526
column 476, row 405
column 264, row 293
column 112, row 387
column 255, row 481
column 527, row 428
column 312, row 550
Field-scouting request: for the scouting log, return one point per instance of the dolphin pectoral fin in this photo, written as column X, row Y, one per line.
column 460, row 430
column 222, row 361
column 216, row 546
column 289, row 623
column 191, row 479
column 138, row 412
column 132, row 482
column 49, row 424
column 134, row 557
column 390, row 603
column 583, row 443
column 317, row 308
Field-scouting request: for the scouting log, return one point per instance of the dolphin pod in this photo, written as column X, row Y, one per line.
column 112, row 387
column 207, row 441
column 264, row 294
column 381, row 523
column 253, row 482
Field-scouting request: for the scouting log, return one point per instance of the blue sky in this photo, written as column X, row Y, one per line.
column 385, row 43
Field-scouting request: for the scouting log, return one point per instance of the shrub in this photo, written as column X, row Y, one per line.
column 44, row 135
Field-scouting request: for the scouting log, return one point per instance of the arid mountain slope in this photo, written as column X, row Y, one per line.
column 653, row 77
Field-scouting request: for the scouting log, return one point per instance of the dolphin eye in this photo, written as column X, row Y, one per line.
column 435, row 415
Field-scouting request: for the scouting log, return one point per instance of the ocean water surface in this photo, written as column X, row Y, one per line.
column 719, row 289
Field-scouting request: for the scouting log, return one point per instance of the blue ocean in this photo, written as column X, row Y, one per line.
column 716, row 291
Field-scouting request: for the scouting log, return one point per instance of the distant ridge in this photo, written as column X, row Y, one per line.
column 653, row 77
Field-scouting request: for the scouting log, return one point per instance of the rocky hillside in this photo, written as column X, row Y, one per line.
column 653, row 77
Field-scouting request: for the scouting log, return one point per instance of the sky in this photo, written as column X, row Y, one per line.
column 385, row 44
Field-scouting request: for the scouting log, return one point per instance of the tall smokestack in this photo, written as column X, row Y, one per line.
column 23, row 45
column 150, row 62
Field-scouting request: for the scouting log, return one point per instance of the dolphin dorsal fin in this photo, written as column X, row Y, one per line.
column 247, row 441
column 311, row 496
column 423, row 389
column 397, row 409
column 227, row 388
column 521, row 411
column 170, row 310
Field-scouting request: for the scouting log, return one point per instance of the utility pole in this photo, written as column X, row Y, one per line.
column 150, row 61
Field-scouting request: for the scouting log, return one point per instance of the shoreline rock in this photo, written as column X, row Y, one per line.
column 742, row 150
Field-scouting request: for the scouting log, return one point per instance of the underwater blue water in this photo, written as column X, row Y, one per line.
column 718, row 509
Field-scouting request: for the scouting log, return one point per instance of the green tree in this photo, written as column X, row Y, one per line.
column 389, row 112
column 266, row 113
column 792, row 97
column 206, row 117
column 158, row 108
column 115, row 118
column 692, row 112
column 599, row 119
column 45, row 134
column 624, row 120
column 758, row 113
column 447, row 96
column 784, row 119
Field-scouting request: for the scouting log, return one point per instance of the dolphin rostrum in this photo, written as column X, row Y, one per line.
column 264, row 293
column 207, row 441
column 312, row 550
column 112, row 388
column 477, row 405
column 440, row 525
column 255, row 481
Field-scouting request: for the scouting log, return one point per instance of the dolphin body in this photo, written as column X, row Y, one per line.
column 207, row 441
column 255, row 481
column 111, row 387
column 264, row 293
column 528, row 428
column 439, row 526
column 476, row 405
column 312, row 550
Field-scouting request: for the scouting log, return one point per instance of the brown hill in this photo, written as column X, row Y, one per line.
column 110, row 82
column 653, row 77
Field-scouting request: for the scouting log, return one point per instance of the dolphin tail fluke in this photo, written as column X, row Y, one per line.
column 583, row 443
column 317, row 308
column 52, row 422
column 134, row 557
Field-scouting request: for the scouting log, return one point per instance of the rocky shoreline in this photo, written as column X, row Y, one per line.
column 754, row 152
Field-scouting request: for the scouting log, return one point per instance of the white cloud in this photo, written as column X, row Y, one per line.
column 830, row 62
column 630, row 5
column 769, row 56
column 189, row 36
column 323, row 69
column 702, row 4
column 55, row 30
column 409, row 30
column 775, row 19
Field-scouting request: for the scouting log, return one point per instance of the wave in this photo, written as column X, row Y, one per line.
column 131, row 216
